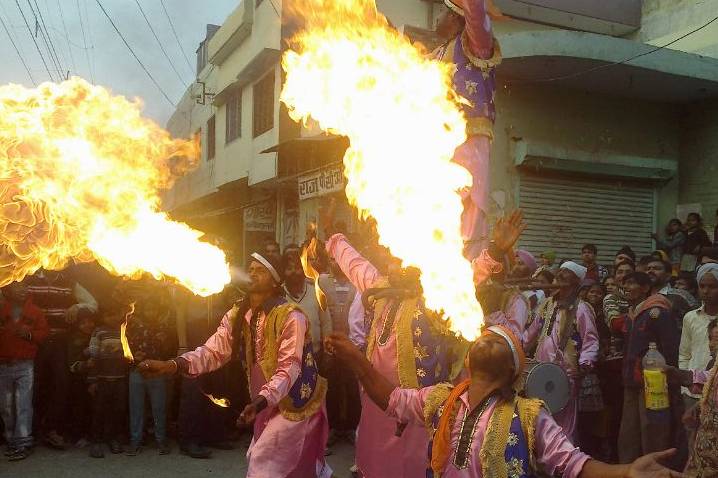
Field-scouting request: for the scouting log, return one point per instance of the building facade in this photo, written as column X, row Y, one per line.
column 601, row 136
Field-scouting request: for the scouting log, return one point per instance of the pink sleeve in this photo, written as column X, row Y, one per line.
column 589, row 335
column 554, row 451
column 357, row 331
column 517, row 315
column 407, row 405
column 478, row 29
column 289, row 359
column 485, row 266
column 701, row 377
column 215, row 352
column 358, row 270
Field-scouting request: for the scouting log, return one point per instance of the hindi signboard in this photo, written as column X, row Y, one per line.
column 260, row 217
column 320, row 183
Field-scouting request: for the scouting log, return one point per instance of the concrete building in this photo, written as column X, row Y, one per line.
column 601, row 136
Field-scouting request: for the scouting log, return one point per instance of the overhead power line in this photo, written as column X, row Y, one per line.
column 40, row 27
column 67, row 37
column 34, row 83
column 39, row 51
column 174, row 32
column 84, row 42
column 133, row 54
column 160, row 44
column 622, row 62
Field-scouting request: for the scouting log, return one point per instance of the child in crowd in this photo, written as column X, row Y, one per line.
column 22, row 328
column 151, row 336
column 108, row 375
column 78, row 357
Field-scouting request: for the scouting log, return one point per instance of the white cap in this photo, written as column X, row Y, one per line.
column 578, row 270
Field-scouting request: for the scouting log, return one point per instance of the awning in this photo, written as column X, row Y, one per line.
column 320, row 139
column 581, row 61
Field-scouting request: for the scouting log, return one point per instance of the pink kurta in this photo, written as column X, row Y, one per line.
column 554, row 453
column 515, row 316
column 280, row 447
column 548, row 351
column 379, row 452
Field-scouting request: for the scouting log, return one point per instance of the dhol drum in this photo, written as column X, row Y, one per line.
column 547, row 382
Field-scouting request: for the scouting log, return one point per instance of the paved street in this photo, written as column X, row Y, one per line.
column 76, row 464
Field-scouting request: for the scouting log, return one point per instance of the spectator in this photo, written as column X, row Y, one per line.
column 615, row 310
column 595, row 271
column 151, row 335
column 271, row 248
column 545, row 278
column 61, row 298
column 594, row 417
column 609, row 283
column 642, row 265
column 624, row 254
column 22, row 328
column 78, row 357
column 343, row 407
column 673, row 243
column 696, row 239
column 108, row 373
column 687, row 282
column 643, row 431
column 299, row 290
column 524, row 265
column 660, row 274
column 694, row 352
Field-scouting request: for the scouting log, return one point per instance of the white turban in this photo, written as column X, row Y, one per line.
column 578, row 270
column 710, row 268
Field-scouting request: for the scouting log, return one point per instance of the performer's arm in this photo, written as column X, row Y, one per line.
column 559, row 457
column 517, row 315
column 357, row 330
column 289, row 359
column 375, row 384
column 358, row 270
column 479, row 31
column 215, row 352
column 589, row 335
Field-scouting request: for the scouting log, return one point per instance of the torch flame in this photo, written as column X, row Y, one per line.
column 123, row 336
column 220, row 402
column 308, row 254
column 354, row 75
column 80, row 176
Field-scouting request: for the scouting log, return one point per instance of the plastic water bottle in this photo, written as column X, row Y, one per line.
column 655, row 383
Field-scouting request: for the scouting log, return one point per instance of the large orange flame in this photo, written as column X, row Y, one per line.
column 353, row 74
column 80, row 176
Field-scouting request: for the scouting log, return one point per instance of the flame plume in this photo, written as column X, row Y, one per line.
column 80, row 175
column 354, row 75
column 126, row 351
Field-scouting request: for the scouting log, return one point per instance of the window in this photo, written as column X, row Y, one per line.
column 234, row 117
column 201, row 56
column 210, row 139
column 263, row 119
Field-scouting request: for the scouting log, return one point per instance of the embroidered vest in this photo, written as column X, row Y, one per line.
column 475, row 80
column 569, row 339
column 427, row 351
column 509, row 442
column 308, row 391
column 703, row 462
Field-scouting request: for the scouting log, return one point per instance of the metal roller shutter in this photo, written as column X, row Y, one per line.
column 562, row 214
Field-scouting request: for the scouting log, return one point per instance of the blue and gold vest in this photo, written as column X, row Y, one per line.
column 475, row 80
column 509, row 443
column 427, row 351
column 306, row 395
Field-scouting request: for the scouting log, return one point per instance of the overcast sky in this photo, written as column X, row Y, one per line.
column 106, row 58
